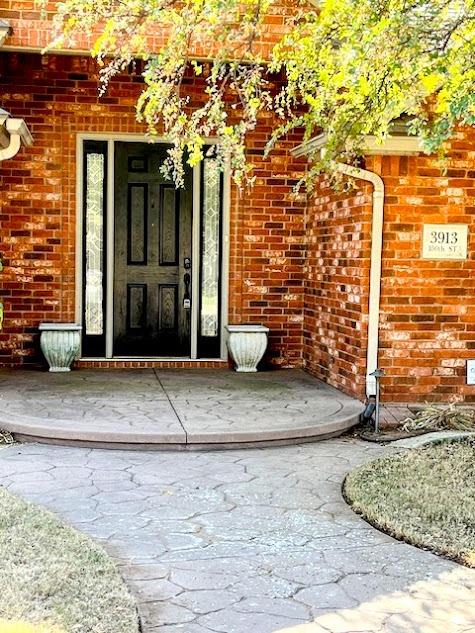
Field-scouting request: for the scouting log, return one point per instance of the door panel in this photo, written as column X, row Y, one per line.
column 152, row 236
column 137, row 212
column 169, row 223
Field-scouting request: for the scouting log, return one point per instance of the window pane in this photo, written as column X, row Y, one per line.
column 210, row 248
column 94, row 243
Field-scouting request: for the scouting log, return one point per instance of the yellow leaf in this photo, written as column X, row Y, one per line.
column 432, row 82
column 442, row 104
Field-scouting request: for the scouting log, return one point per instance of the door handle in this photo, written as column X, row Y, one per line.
column 186, row 297
column 187, row 280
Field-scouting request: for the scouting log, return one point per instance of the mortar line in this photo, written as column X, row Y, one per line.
column 171, row 404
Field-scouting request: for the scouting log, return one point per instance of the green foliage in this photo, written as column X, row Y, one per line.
column 359, row 65
column 353, row 67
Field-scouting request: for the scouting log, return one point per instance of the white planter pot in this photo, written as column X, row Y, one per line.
column 247, row 344
column 60, row 344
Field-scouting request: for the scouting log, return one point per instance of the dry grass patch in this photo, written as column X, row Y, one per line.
column 6, row 438
column 50, row 573
column 20, row 626
column 423, row 496
column 441, row 418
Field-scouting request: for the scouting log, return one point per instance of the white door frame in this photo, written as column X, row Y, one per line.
column 111, row 138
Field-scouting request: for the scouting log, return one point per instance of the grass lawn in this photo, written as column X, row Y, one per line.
column 424, row 496
column 53, row 575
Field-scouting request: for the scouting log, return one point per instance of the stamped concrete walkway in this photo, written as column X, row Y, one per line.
column 246, row 541
column 181, row 408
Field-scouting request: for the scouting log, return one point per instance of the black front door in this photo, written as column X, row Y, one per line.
column 152, row 255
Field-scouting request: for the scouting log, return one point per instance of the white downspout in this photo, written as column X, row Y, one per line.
column 19, row 133
column 375, row 267
column 12, row 149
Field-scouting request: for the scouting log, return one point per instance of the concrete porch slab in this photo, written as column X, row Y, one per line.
column 146, row 408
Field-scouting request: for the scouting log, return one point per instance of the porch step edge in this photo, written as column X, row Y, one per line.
column 123, row 439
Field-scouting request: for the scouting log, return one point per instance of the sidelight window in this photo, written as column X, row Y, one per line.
column 210, row 274
column 94, row 198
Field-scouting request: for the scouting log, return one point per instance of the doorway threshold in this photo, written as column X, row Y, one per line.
column 148, row 359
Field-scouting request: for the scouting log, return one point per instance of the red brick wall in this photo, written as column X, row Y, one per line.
column 268, row 256
column 427, row 306
column 427, row 323
column 57, row 97
column 336, row 287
